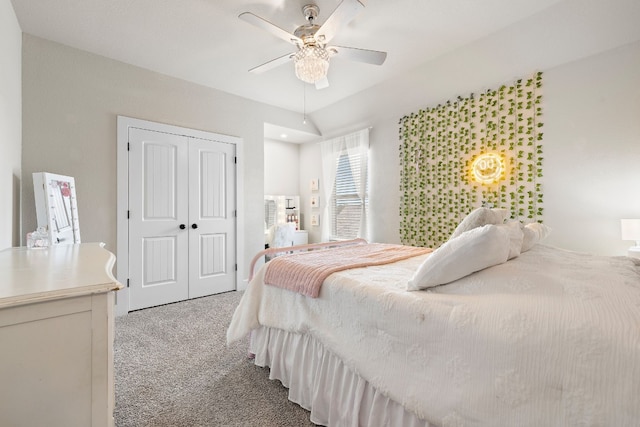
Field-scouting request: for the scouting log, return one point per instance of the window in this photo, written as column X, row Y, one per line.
column 346, row 187
column 346, row 204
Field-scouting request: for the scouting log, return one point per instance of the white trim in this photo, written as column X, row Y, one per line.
column 122, row 188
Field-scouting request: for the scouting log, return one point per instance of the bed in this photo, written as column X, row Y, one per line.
column 546, row 337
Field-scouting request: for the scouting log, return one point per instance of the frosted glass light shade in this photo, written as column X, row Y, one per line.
column 311, row 63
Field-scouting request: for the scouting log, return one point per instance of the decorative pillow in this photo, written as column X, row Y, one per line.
column 473, row 250
column 516, row 237
column 534, row 233
column 478, row 218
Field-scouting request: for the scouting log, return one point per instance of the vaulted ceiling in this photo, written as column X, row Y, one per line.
column 204, row 42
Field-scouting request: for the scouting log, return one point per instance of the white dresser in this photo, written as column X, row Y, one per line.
column 56, row 336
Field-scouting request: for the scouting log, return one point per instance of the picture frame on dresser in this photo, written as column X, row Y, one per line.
column 57, row 207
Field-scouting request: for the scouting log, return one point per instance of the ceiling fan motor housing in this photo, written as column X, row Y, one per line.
column 307, row 32
column 310, row 12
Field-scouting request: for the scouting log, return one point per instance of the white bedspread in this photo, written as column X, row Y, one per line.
column 551, row 338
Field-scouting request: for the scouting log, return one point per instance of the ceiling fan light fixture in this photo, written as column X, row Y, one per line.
column 311, row 63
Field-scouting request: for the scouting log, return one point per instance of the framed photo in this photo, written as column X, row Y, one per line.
column 315, row 184
column 315, row 201
column 315, row 220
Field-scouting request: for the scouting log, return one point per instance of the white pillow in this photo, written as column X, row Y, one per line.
column 472, row 251
column 478, row 218
column 534, row 233
column 516, row 237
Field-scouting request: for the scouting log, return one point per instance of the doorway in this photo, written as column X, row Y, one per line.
column 181, row 214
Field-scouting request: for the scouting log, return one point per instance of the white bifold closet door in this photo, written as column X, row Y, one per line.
column 181, row 218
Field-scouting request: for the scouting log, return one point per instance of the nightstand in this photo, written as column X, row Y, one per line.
column 300, row 237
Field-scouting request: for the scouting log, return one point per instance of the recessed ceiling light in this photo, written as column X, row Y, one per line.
column 283, row 135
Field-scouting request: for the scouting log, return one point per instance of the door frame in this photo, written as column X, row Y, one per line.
column 122, row 189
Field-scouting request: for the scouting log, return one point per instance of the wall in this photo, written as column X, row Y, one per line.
column 71, row 99
column 438, row 187
column 281, row 168
column 10, row 125
column 591, row 108
column 310, row 168
column 592, row 150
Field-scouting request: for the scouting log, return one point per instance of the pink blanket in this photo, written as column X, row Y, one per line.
column 305, row 272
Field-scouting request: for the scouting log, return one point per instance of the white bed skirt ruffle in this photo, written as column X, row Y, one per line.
column 319, row 382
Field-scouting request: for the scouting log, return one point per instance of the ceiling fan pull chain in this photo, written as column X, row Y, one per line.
column 304, row 103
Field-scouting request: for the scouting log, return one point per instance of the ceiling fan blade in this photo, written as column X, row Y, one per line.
column 272, row 64
column 269, row 27
column 344, row 13
column 374, row 57
column 322, row 83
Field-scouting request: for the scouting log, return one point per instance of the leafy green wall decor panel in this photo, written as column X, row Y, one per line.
column 439, row 145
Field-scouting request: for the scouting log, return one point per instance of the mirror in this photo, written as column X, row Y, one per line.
column 280, row 209
column 270, row 210
column 56, row 207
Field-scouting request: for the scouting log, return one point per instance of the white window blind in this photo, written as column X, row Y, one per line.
column 347, row 205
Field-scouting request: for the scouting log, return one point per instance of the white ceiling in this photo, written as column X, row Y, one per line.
column 204, row 42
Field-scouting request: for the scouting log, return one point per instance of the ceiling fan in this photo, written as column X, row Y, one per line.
column 312, row 57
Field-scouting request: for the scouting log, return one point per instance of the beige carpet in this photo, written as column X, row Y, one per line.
column 173, row 368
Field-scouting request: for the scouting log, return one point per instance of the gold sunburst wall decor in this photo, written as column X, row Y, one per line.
column 485, row 149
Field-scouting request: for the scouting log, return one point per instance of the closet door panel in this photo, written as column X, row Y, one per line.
column 158, row 202
column 212, row 211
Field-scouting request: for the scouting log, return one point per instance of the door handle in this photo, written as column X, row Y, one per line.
column 194, row 226
column 182, row 226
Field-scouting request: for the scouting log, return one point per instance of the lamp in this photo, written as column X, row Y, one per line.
column 488, row 168
column 312, row 63
column 630, row 230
